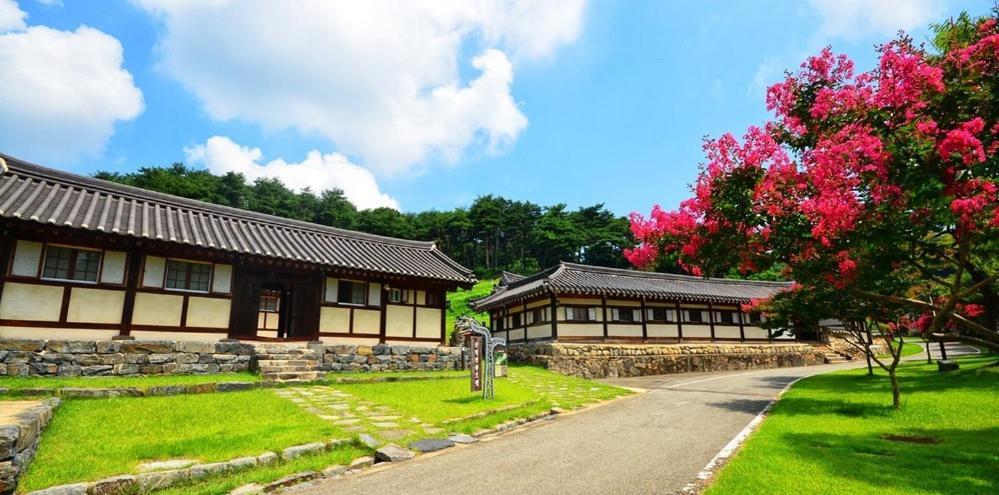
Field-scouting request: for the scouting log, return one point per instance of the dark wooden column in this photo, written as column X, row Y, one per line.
column 443, row 299
column 133, row 273
column 382, row 312
column 523, row 319
column 554, row 317
column 742, row 324
column 645, row 326
column 679, row 321
column 6, row 249
column 711, row 320
column 603, row 306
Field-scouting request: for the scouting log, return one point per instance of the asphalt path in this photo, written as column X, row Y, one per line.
column 654, row 442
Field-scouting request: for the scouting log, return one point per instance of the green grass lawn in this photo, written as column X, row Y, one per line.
column 92, row 439
column 837, row 434
column 22, row 382
column 459, row 304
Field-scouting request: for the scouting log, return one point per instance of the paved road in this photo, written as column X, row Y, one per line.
column 655, row 442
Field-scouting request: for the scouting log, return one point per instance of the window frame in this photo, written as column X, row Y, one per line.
column 187, row 275
column 403, row 295
column 436, row 297
column 732, row 314
column 630, row 311
column 340, row 292
column 71, row 271
column 666, row 315
column 689, row 312
column 584, row 309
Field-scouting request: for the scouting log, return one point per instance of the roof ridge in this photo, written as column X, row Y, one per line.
column 676, row 276
column 20, row 167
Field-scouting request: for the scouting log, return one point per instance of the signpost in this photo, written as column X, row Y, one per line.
column 475, row 356
column 480, row 340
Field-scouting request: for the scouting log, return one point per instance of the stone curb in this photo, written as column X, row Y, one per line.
column 129, row 484
column 105, row 393
column 489, row 412
column 19, row 436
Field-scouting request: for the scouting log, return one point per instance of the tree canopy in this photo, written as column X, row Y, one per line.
column 878, row 192
column 492, row 234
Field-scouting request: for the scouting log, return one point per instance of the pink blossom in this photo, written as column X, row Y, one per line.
column 963, row 142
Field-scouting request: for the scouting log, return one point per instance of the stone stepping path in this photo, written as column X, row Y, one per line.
column 356, row 415
column 558, row 393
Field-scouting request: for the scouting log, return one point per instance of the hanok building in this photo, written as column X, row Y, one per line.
column 578, row 303
column 82, row 258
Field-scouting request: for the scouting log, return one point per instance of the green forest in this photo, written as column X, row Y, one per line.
column 491, row 235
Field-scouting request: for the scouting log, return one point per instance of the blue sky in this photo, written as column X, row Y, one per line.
column 575, row 102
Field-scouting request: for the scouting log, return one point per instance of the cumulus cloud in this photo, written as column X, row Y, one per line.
column 383, row 80
column 62, row 91
column 318, row 171
column 853, row 19
column 11, row 16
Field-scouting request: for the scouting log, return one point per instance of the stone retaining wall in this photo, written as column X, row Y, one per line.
column 22, row 357
column 385, row 357
column 21, row 425
column 620, row 360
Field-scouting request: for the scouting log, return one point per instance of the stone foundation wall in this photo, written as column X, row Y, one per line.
column 20, row 357
column 385, row 357
column 21, row 425
column 620, row 360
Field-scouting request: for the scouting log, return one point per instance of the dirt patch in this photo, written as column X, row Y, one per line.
column 911, row 439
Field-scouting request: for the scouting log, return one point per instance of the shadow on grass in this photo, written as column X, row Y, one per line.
column 964, row 461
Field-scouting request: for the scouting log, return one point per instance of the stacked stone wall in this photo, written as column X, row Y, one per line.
column 23, row 357
column 619, row 360
column 21, row 425
column 385, row 357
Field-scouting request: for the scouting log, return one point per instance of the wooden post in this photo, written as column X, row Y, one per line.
column 645, row 326
column 603, row 306
column 679, row 322
column 523, row 319
column 132, row 276
column 6, row 247
column 443, row 299
column 742, row 325
column 711, row 320
column 554, row 318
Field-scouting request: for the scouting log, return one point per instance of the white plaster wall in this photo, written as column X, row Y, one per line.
column 95, row 305
column 334, row 319
column 624, row 330
column 428, row 323
column 756, row 333
column 367, row 321
column 398, row 321
column 663, row 330
column 208, row 312
column 184, row 336
column 698, row 331
column 31, row 302
column 726, row 332
column 581, row 330
column 157, row 309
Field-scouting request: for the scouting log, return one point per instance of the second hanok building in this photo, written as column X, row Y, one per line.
column 579, row 303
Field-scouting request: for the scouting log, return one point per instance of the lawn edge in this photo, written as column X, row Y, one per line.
column 704, row 476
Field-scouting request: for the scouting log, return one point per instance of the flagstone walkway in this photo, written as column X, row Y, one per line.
column 356, row 415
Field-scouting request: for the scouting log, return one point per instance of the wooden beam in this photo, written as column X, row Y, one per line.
column 554, row 317
column 742, row 324
column 711, row 320
column 6, row 250
column 645, row 326
column 523, row 319
column 133, row 272
column 443, row 299
column 603, row 306
column 679, row 321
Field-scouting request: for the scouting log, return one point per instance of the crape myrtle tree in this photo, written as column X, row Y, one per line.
column 877, row 191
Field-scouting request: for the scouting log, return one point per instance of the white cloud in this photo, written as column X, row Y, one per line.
column 380, row 80
column 62, row 92
column 318, row 171
column 11, row 16
column 853, row 19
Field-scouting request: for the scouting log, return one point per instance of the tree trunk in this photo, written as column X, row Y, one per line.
column 896, row 393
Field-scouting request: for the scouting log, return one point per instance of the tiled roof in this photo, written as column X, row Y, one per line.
column 507, row 278
column 33, row 193
column 576, row 279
